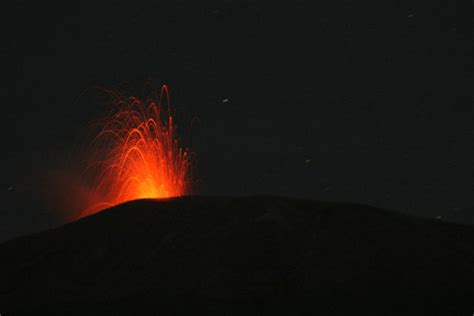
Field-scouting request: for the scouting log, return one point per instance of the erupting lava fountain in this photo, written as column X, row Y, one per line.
column 136, row 154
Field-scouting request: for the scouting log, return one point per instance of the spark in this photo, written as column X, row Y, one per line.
column 136, row 154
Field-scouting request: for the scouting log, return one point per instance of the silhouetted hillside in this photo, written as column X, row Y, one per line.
column 241, row 256
column 462, row 216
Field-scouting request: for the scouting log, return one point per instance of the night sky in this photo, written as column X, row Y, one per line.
column 361, row 101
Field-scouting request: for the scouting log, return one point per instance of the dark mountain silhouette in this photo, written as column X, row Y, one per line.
column 462, row 216
column 241, row 256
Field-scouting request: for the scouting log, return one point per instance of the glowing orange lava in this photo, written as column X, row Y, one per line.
column 136, row 155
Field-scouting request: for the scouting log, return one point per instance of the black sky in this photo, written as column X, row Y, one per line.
column 362, row 101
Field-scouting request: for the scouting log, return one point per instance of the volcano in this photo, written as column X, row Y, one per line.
column 241, row 256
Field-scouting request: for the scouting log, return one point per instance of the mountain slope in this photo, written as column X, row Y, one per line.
column 241, row 256
column 462, row 216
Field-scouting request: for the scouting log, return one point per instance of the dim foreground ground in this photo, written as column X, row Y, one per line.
column 241, row 256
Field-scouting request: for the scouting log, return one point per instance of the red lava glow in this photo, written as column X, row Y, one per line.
column 136, row 154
